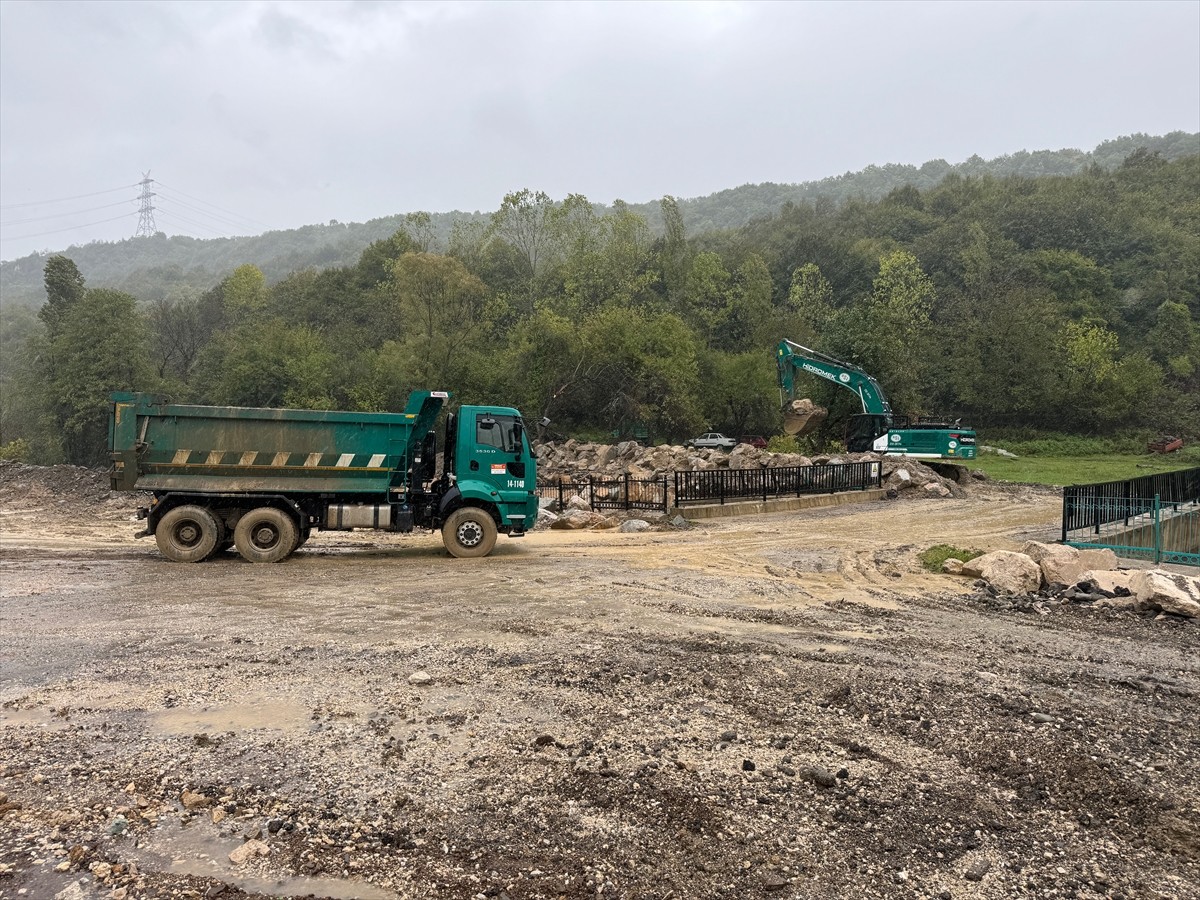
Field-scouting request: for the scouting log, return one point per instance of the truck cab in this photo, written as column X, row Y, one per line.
column 488, row 461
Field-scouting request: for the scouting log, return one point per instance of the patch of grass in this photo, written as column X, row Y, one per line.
column 1063, row 470
column 933, row 558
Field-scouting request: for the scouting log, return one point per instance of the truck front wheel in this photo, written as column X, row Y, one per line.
column 187, row 534
column 469, row 532
column 265, row 535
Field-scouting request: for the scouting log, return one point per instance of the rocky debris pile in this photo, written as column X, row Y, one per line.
column 577, row 514
column 1091, row 577
column 574, row 461
column 24, row 487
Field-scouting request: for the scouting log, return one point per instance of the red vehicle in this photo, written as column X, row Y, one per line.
column 1165, row 444
column 754, row 440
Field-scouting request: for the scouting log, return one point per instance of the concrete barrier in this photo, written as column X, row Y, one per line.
column 782, row 504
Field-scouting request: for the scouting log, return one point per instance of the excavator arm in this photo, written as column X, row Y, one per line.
column 876, row 428
column 800, row 416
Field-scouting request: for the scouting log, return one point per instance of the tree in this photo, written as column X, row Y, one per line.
column 176, row 336
column 526, row 221
column 99, row 347
column 707, row 294
column 675, row 257
column 547, row 369
column 888, row 332
column 1173, row 341
column 649, row 372
column 268, row 364
column 747, row 318
column 442, row 308
column 1098, row 388
column 810, row 298
column 64, row 290
column 740, row 392
column 245, row 294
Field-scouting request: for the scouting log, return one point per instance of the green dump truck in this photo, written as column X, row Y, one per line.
column 261, row 480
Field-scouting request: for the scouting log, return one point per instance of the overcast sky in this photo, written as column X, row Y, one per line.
column 261, row 115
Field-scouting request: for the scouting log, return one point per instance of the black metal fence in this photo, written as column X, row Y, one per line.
column 720, row 485
column 1093, row 505
column 1155, row 517
column 619, row 492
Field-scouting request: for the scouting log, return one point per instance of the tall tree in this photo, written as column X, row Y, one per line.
column 444, row 308
column 99, row 347
column 64, row 290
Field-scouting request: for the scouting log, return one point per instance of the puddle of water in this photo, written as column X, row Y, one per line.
column 199, row 851
column 262, row 712
column 39, row 716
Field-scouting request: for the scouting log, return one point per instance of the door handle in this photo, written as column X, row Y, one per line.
column 474, row 465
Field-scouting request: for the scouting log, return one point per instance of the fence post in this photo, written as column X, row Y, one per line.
column 1157, row 531
column 665, row 497
column 1064, row 515
column 721, row 482
column 627, row 506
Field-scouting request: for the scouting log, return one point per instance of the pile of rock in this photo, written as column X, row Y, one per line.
column 578, row 514
column 1082, row 576
column 574, row 461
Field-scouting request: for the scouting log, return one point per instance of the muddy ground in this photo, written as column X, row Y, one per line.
column 774, row 706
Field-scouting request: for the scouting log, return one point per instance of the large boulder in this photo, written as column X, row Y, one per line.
column 1110, row 584
column 574, row 519
column 1156, row 589
column 1061, row 564
column 1006, row 571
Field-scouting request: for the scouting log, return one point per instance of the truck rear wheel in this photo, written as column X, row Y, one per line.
column 469, row 532
column 188, row 534
column 265, row 535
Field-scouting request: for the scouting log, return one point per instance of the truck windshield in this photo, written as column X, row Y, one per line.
column 497, row 431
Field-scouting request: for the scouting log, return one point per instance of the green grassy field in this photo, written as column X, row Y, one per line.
column 1063, row 470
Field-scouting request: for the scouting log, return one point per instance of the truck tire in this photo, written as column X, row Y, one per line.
column 469, row 532
column 224, row 539
column 265, row 535
column 188, row 534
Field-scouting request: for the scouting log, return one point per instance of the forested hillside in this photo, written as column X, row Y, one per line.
column 158, row 267
column 1060, row 302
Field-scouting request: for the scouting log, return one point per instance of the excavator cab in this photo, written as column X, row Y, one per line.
column 862, row 431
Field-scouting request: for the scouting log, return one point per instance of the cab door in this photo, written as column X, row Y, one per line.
column 497, row 452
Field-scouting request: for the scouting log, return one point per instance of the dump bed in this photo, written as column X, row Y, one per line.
column 159, row 446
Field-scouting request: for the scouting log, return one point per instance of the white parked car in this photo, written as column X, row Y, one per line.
column 713, row 441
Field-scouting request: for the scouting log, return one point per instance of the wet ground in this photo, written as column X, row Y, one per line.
column 780, row 706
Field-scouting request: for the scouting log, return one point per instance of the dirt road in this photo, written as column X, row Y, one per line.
column 781, row 706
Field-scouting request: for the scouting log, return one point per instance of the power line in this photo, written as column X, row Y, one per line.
column 21, row 237
column 213, row 205
column 65, row 199
column 77, row 212
column 203, row 212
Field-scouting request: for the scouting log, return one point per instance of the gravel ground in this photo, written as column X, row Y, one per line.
column 772, row 706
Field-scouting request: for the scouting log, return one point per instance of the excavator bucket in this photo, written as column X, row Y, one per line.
column 802, row 416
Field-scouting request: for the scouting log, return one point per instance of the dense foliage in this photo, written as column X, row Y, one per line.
column 152, row 268
column 1061, row 302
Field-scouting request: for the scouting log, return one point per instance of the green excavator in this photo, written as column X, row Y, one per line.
column 876, row 428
